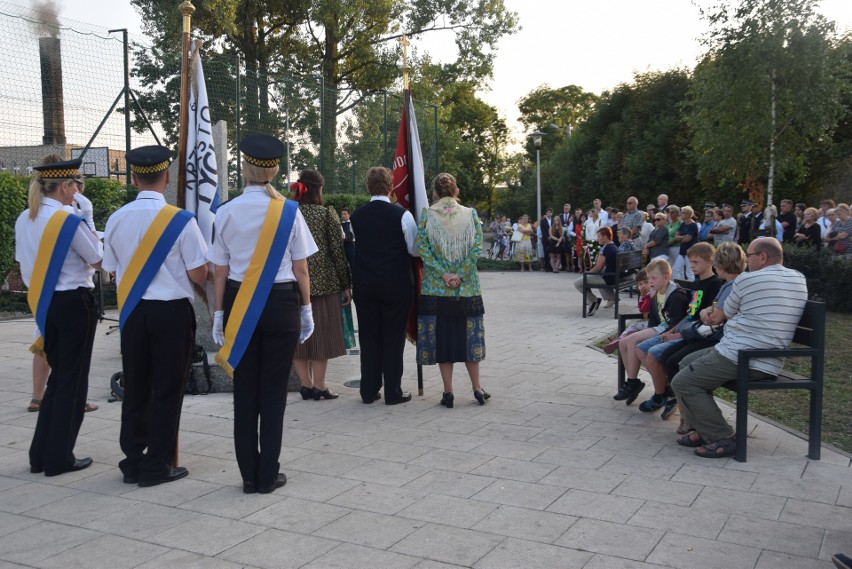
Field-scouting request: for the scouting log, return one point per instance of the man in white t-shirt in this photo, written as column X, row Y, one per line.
column 762, row 311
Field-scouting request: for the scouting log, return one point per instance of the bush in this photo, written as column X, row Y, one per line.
column 829, row 276
column 352, row 201
column 107, row 195
column 13, row 200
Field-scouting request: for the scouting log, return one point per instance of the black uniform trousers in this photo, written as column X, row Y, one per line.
column 68, row 338
column 260, row 385
column 382, row 319
column 156, row 351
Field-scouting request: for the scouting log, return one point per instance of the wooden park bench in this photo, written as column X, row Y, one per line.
column 627, row 264
column 808, row 342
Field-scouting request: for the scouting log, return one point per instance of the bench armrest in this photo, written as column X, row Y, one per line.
column 778, row 353
column 623, row 318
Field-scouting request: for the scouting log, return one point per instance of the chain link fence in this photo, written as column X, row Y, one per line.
column 61, row 90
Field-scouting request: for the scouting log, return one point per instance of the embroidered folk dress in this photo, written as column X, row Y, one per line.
column 450, row 323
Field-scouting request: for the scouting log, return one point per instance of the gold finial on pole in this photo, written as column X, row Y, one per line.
column 187, row 9
column 403, row 41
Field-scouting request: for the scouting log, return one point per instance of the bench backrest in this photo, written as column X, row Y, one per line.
column 628, row 262
column 811, row 329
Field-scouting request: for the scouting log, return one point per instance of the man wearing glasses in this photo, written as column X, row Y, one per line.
column 761, row 312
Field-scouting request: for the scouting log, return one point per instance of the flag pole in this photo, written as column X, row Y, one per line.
column 187, row 9
column 403, row 41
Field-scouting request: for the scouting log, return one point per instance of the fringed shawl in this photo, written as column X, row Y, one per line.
column 450, row 228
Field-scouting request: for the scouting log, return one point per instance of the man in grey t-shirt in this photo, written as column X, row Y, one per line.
column 726, row 229
column 762, row 312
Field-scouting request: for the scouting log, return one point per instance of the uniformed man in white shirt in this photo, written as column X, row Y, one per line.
column 286, row 317
column 68, row 324
column 158, row 334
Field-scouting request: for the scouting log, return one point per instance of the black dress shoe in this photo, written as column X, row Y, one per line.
column 406, row 397
column 131, row 479
column 249, row 487
column 481, row 396
column 306, row 392
column 447, row 400
column 78, row 464
column 175, row 473
column 368, row 400
column 327, row 394
column 280, row 481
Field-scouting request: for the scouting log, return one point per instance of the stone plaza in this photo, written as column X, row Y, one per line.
column 550, row 473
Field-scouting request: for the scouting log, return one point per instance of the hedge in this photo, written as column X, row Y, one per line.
column 13, row 200
column 829, row 276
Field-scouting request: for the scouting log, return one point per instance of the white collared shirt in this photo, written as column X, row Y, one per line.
column 124, row 232
column 236, row 231
column 85, row 250
column 409, row 228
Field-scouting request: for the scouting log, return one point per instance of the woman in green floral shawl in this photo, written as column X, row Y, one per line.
column 450, row 323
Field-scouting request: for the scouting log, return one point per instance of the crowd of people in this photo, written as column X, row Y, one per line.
column 283, row 270
column 568, row 241
column 571, row 242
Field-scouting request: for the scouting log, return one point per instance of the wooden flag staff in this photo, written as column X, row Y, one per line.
column 187, row 9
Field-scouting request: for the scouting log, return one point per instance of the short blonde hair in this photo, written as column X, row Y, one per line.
column 701, row 250
column 730, row 258
column 661, row 266
column 688, row 210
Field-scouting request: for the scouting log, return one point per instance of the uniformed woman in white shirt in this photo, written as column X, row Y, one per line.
column 70, row 318
column 260, row 377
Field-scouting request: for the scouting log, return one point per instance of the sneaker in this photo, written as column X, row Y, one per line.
column 594, row 307
column 653, row 404
column 629, row 391
column 609, row 304
column 669, row 408
column 612, row 345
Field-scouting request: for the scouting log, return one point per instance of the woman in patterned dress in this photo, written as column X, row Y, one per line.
column 450, row 323
column 330, row 279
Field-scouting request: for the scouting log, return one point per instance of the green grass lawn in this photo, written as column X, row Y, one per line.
column 790, row 407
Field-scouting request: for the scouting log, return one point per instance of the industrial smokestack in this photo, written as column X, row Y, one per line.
column 50, row 54
column 53, row 104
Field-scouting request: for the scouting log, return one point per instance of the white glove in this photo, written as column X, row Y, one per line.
column 307, row 314
column 87, row 211
column 219, row 327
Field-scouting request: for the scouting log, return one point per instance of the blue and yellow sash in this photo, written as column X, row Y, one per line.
column 52, row 250
column 148, row 258
column 260, row 276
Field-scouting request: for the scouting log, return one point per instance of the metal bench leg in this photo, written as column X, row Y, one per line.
column 742, row 425
column 815, row 425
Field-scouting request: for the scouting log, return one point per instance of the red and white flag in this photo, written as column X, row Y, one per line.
column 409, row 178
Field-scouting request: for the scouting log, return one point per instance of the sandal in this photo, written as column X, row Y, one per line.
column 35, row 405
column 720, row 449
column 688, row 440
column 91, row 407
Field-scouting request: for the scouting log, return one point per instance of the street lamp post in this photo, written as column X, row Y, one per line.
column 537, row 141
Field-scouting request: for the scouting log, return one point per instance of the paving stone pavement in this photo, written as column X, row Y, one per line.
column 550, row 473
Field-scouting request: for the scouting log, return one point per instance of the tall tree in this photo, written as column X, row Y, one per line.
column 337, row 51
column 768, row 89
column 566, row 107
column 260, row 31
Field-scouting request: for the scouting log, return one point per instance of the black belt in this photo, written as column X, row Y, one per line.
column 289, row 285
